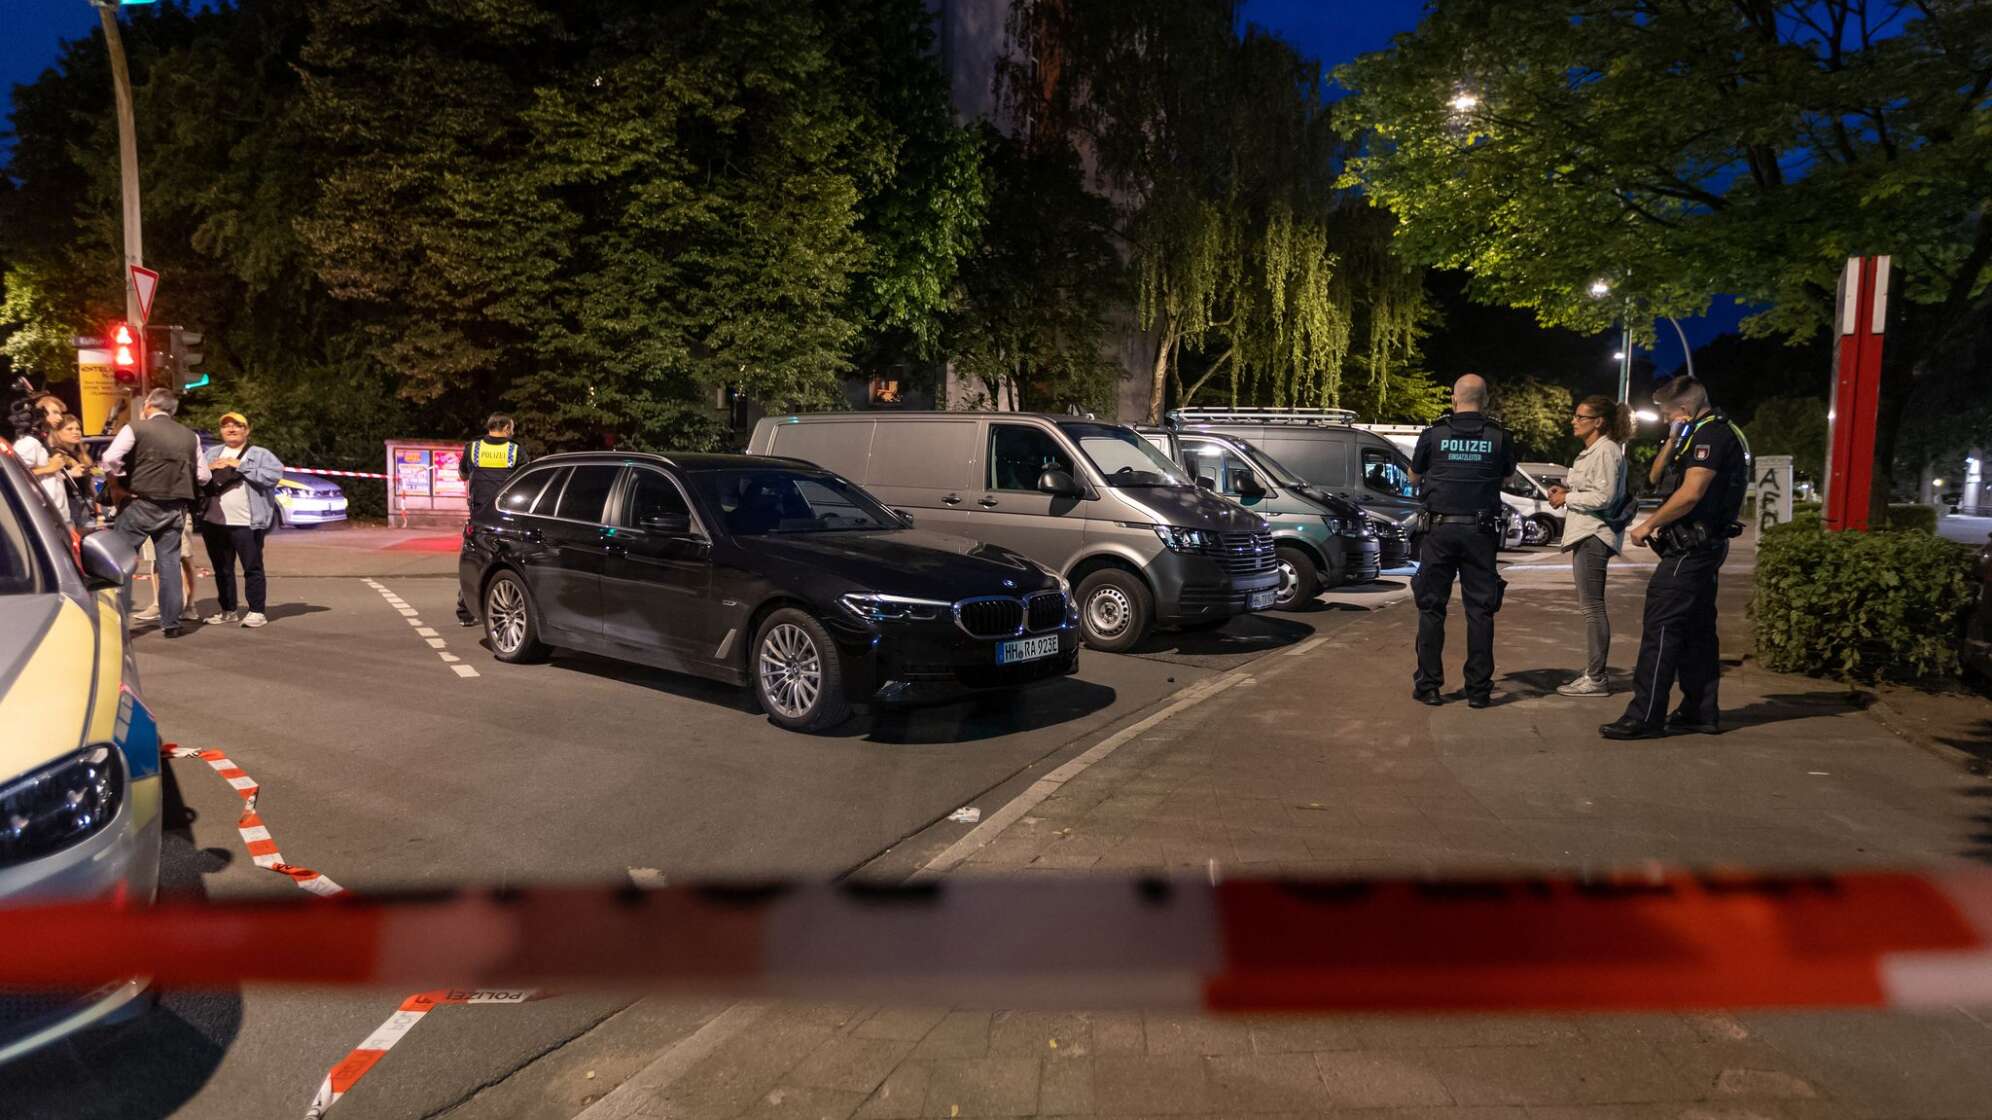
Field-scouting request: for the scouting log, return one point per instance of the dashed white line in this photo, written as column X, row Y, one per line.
column 426, row 633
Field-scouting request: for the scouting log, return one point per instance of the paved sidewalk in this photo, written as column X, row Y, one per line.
column 1320, row 763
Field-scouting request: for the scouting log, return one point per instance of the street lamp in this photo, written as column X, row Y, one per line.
column 1464, row 102
column 1600, row 288
column 1647, row 416
column 1618, row 355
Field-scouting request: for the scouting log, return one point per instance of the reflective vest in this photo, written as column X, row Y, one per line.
column 495, row 457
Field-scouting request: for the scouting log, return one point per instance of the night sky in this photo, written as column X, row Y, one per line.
column 1331, row 30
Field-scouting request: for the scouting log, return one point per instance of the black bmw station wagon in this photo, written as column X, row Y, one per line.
column 767, row 572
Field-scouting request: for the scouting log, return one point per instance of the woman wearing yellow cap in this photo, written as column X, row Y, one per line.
column 238, row 509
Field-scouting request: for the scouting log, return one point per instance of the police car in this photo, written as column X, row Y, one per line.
column 80, row 754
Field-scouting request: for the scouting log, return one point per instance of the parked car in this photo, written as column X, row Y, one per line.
column 1319, row 544
column 771, row 573
column 301, row 499
column 80, row 797
column 1526, row 492
column 1140, row 543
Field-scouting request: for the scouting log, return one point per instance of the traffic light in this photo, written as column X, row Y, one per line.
column 176, row 355
column 124, row 353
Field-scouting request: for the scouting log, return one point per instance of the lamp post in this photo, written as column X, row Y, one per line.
column 1599, row 290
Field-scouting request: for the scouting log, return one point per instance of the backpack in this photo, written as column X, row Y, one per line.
column 1621, row 511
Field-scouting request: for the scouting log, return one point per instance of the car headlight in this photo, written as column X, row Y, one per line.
column 873, row 607
column 1179, row 539
column 60, row 804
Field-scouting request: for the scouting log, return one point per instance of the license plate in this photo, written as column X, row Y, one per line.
column 1027, row 649
column 1260, row 600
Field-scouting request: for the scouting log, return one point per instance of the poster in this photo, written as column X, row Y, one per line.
column 411, row 471
column 98, row 389
column 447, row 482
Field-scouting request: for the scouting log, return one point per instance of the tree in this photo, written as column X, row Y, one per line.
column 1794, row 426
column 1537, row 416
column 1680, row 148
column 1037, row 292
column 1252, row 272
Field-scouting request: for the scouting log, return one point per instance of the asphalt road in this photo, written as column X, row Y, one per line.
column 382, row 764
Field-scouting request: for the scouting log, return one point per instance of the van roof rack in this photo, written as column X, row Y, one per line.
column 1299, row 417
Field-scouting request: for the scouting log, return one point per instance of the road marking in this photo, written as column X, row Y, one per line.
column 426, row 632
column 1307, row 646
column 992, row 825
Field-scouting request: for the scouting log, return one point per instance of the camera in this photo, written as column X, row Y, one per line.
column 22, row 415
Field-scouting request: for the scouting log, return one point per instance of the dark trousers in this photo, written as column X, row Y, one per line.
column 226, row 544
column 160, row 522
column 1679, row 640
column 1466, row 551
column 478, row 501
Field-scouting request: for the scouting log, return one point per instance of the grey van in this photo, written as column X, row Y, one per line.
column 1321, row 446
column 1142, row 546
column 1320, row 543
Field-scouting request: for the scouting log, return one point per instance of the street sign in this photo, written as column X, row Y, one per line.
column 87, row 341
column 144, row 281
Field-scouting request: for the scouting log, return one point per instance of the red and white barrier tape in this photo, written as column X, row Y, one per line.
column 1649, row 941
column 335, row 474
column 255, row 835
column 342, row 1077
column 263, row 850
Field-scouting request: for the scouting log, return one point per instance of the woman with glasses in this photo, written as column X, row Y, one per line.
column 1596, row 508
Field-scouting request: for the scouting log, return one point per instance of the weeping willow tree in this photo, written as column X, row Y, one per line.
column 1255, row 277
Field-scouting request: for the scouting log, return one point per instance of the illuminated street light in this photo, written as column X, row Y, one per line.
column 1600, row 289
column 1464, row 102
column 1618, row 355
column 1647, row 416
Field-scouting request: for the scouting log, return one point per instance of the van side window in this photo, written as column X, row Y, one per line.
column 1018, row 454
column 1382, row 473
column 1215, row 462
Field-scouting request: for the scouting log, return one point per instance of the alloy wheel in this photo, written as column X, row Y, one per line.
column 507, row 611
column 791, row 670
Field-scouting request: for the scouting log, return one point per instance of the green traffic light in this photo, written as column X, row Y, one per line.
column 205, row 378
column 130, row 3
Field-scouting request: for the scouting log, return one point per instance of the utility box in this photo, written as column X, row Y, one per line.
column 423, row 486
column 1771, row 486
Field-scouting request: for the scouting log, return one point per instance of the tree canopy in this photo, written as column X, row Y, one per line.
column 1680, row 148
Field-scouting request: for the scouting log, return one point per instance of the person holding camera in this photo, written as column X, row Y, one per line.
column 237, row 512
column 1691, row 532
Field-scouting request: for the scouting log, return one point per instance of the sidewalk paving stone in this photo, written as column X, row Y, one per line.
column 1381, row 1078
column 983, row 1087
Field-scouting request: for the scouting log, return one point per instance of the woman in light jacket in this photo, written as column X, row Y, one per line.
column 1595, row 488
column 238, row 510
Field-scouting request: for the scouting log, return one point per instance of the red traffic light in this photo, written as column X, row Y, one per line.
column 124, row 356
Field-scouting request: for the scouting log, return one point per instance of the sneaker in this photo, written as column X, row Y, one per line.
column 223, row 618
column 1585, row 686
column 147, row 614
column 191, row 615
column 254, row 619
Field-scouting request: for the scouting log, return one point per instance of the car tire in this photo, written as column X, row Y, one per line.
column 509, row 624
column 797, row 673
column 1115, row 610
column 1549, row 527
column 1300, row 580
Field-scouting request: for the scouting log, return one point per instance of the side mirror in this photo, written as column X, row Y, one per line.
column 905, row 518
column 1248, row 484
column 108, row 561
column 669, row 523
column 1206, row 482
column 1059, row 484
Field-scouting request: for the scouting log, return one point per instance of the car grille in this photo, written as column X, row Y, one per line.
column 1045, row 610
column 990, row 618
column 1244, row 554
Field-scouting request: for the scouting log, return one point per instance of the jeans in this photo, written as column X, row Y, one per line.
column 161, row 523
column 226, row 544
column 1587, row 563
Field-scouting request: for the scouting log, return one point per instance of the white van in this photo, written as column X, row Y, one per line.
column 1141, row 544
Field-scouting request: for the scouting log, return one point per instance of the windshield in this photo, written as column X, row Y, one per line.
column 1274, row 470
column 1122, row 457
column 752, row 503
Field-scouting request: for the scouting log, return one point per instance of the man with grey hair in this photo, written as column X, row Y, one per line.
column 163, row 472
column 1692, row 530
column 1459, row 465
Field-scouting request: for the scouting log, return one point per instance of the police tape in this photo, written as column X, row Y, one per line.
column 255, row 834
column 336, row 474
column 362, row 1058
column 1643, row 941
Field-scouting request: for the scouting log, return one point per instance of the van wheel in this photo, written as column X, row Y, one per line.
column 798, row 674
column 509, row 622
column 1300, row 581
column 1115, row 610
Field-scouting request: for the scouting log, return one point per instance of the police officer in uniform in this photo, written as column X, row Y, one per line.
column 1459, row 465
column 487, row 465
column 1691, row 532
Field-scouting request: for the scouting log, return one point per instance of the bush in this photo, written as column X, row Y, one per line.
column 1920, row 518
column 1861, row 606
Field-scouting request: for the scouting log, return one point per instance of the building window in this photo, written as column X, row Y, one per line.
column 885, row 391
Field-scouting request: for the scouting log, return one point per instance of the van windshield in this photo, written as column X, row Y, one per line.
column 1122, row 457
column 1275, row 470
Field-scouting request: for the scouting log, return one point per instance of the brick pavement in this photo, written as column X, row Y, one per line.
column 1321, row 764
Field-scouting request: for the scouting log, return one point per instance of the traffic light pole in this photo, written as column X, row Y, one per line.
column 134, row 240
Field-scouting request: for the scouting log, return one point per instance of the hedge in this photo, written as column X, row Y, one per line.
column 1861, row 606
